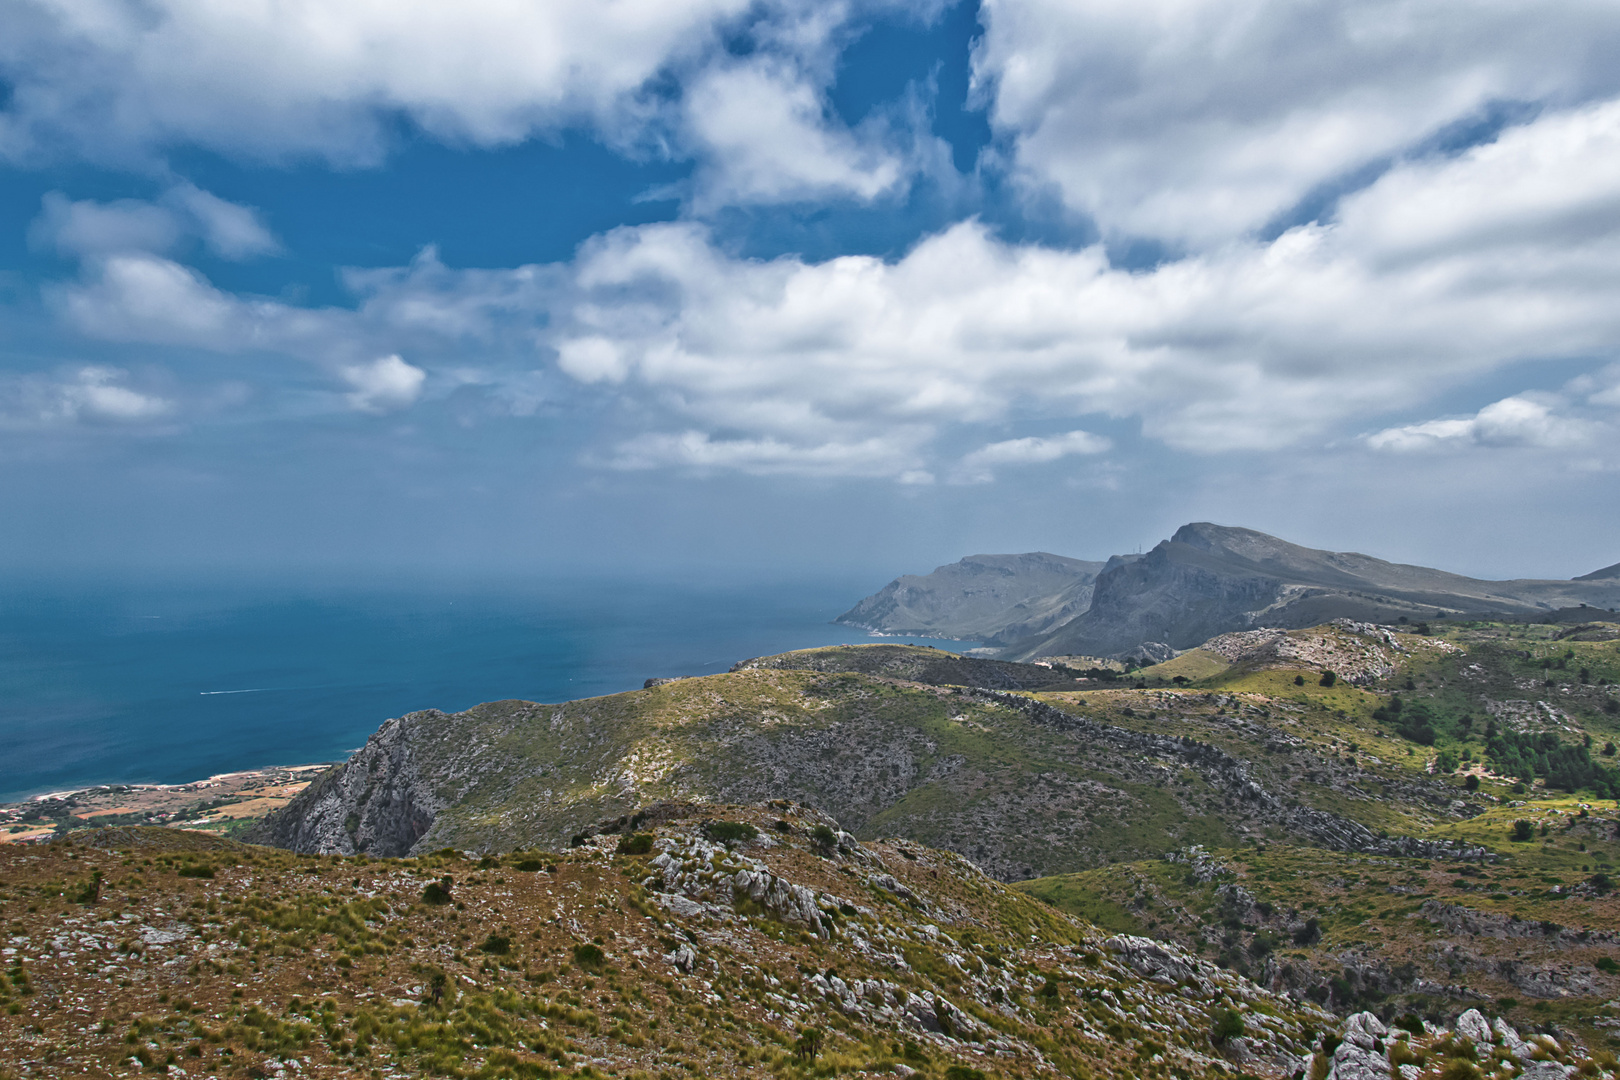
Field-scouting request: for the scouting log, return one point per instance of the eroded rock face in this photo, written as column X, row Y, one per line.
column 1361, row 1055
column 379, row 802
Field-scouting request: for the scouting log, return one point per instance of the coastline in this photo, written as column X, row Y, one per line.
column 225, row 804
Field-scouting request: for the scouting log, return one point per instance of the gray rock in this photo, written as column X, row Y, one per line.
column 1473, row 1026
column 1360, row 1056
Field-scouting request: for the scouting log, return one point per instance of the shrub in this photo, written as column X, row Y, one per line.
column 808, row 1044
column 1600, row 881
column 90, row 891
column 529, row 866
column 496, row 944
column 1299, row 680
column 824, row 838
column 1401, row 1053
column 1327, row 679
column 589, row 957
column 1522, row 832
column 1472, row 782
column 1460, row 1069
column 727, row 832
column 1411, row 1022
column 963, row 1072
column 437, row 893
column 636, row 844
column 197, row 870
column 1309, row 934
column 1228, row 1026
column 1607, row 965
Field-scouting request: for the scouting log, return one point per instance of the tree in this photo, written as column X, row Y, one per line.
column 808, row 1044
column 1472, row 783
column 1228, row 1026
column 1327, row 679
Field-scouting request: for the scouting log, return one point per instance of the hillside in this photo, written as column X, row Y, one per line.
column 1210, row 579
column 1023, row 787
column 1353, row 801
column 713, row 941
column 990, row 598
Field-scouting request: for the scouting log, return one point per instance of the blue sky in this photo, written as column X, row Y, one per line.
column 714, row 286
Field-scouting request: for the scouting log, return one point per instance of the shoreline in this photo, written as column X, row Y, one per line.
column 224, row 803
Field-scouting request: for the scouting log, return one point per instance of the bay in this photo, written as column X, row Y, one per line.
column 174, row 680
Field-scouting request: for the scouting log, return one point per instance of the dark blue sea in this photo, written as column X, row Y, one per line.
column 166, row 682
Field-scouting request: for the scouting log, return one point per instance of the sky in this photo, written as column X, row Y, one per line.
column 773, row 288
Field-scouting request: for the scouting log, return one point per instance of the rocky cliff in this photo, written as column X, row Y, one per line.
column 990, row 598
column 1210, row 579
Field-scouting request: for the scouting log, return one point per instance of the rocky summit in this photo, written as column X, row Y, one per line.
column 1204, row 580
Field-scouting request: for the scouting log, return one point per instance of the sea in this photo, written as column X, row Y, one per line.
column 122, row 682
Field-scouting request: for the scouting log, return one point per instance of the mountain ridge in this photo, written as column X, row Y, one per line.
column 1205, row 580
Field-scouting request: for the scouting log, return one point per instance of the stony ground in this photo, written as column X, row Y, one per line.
column 655, row 950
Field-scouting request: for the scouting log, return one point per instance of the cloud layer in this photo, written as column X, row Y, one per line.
column 1196, row 122
column 1434, row 276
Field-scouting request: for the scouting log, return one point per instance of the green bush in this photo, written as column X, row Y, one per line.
column 590, row 957
column 1607, row 965
column 1228, row 1025
column 437, row 893
column 727, row 832
column 638, row 843
column 963, row 1072
column 529, row 866
column 1460, row 1069
column 197, row 870
column 1522, row 831
column 496, row 944
column 824, row 838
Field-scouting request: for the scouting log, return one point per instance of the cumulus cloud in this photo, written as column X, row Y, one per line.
column 307, row 77
column 125, row 80
column 90, row 229
column 1197, row 121
column 386, row 384
column 230, row 230
column 1513, row 421
column 977, row 467
column 765, row 134
column 93, row 394
column 855, row 365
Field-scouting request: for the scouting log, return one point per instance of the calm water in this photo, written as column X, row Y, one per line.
column 142, row 684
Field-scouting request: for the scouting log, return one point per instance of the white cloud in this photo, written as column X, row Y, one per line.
column 1197, row 121
column 127, row 80
column 307, row 77
column 765, row 134
column 857, row 364
column 96, row 394
column 1516, row 421
column 877, row 456
column 90, row 229
column 976, row 467
column 231, row 231
column 93, row 394
column 384, row 385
